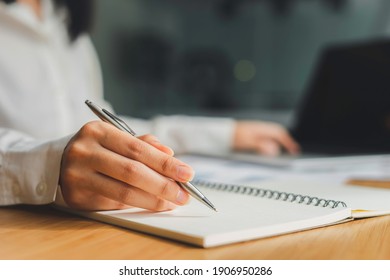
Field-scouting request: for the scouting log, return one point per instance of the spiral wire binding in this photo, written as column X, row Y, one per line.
column 271, row 194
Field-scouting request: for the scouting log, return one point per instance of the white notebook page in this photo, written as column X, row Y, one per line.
column 240, row 217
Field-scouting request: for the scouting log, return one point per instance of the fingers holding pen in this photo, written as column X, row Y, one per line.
column 100, row 192
column 104, row 168
column 153, row 140
column 136, row 174
column 156, row 156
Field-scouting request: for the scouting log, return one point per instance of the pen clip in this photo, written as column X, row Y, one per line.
column 119, row 122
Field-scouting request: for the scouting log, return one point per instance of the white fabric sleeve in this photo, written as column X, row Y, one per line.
column 29, row 169
column 187, row 134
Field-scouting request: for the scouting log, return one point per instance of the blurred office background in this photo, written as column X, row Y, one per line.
column 239, row 58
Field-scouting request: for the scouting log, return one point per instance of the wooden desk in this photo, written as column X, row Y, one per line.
column 40, row 232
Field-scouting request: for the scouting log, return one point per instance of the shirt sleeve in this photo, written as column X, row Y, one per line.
column 188, row 134
column 29, row 169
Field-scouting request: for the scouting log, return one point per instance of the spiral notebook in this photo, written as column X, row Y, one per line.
column 244, row 213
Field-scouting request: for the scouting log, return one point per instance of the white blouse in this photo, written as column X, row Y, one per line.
column 44, row 81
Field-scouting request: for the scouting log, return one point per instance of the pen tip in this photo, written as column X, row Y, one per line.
column 209, row 204
column 213, row 207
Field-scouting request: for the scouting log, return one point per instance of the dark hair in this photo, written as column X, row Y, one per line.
column 81, row 15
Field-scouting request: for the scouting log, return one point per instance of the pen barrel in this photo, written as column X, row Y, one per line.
column 121, row 125
column 192, row 190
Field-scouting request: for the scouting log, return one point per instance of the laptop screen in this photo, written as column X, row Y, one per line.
column 346, row 108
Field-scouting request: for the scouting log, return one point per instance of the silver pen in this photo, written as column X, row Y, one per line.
column 106, row 116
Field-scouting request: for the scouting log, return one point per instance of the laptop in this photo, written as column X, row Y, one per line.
column 344, row 116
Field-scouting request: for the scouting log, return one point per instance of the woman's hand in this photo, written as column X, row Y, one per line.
column 264, row 138
column 104, row 168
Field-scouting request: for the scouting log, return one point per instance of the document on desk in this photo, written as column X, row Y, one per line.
column 310, row 162
column 252, row 203
column 243, row 214
column 365, row 201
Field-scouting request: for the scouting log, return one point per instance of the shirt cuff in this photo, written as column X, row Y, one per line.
column 31, row 172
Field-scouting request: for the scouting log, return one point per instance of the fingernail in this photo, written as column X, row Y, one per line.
column 184, row 173
column 182, row 197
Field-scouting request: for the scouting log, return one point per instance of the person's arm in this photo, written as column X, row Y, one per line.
column 29, row 169
column 188, row 134
column 210, row 135
column 99, row 168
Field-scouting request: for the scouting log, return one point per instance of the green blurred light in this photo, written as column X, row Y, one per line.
column 244, row 70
